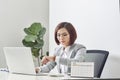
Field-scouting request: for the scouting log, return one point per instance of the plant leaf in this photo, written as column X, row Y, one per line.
column 35, row 51
column 38, row 46
column 42, row 32
column 35, row 28
column 30, row 38
column 27, row 31
column 28, row 44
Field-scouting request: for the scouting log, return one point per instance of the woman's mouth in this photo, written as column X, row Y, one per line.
column 62, row 41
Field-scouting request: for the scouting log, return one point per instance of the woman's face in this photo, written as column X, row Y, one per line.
column 63, row 37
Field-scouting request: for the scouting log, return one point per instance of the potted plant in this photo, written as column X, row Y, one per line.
column 34, row 39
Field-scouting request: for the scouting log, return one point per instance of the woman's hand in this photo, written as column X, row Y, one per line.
column 37, row 69
column 46, row 59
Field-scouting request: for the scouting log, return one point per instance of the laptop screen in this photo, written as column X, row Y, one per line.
column 19, row 60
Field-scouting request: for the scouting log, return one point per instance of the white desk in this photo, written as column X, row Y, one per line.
column 8, row 76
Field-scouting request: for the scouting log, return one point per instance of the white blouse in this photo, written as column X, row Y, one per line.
column 64, row 54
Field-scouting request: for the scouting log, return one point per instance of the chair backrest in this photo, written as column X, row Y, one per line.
column 99, row 58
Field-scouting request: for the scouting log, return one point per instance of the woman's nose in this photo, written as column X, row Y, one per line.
column 61, row 37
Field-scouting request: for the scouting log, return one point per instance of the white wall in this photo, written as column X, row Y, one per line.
column 16, row 15
column 98, row 26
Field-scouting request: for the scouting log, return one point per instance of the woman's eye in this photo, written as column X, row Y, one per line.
column 64, row 34
column 58, row 35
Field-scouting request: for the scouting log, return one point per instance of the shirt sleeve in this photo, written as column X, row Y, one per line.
column 48, row 67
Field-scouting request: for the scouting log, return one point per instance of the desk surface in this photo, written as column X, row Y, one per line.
column 9, row 76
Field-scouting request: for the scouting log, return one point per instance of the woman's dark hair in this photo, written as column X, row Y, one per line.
column 71, row 30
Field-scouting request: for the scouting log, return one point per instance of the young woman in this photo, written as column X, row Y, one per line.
column 67, row 50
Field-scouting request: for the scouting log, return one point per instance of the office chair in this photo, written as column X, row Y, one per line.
column 99, row 58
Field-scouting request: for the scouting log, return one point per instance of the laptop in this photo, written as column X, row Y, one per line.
column 20, row 61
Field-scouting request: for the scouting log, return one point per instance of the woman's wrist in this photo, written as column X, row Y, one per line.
column 51, row 58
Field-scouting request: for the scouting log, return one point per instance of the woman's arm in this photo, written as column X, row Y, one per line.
column 46, row 68
column 48, row 64
column 46, row 59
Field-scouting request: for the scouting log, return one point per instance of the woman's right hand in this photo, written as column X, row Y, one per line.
column 37, row 69
column 46, row 59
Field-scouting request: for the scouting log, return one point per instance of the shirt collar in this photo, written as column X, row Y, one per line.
column 66, row 49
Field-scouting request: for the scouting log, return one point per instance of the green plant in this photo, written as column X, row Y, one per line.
column 34, row 38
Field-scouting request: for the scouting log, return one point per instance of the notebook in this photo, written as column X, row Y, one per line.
column 19, row 60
